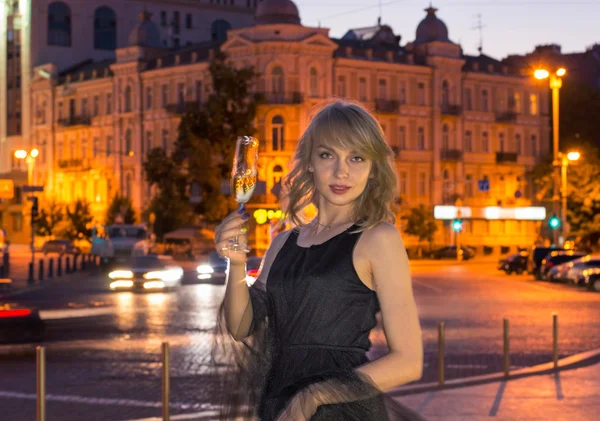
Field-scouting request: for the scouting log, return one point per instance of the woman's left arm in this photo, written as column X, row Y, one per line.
column 391, row 279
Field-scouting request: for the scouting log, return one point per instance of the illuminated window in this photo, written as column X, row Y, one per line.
column 517, row 102
column 105, row 28
column 277, row 174
column 59, row 24
column 277, row 80
column 533, row 104
column 314, row 82
column 277, row 130
column 219, row 30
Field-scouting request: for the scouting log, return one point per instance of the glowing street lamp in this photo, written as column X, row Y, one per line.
column 29, row 158
column 555, row 81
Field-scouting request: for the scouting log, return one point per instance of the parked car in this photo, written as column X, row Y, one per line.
column 449, row 252
column 536, row 256
column 212, row 268
column 61, row 247
column 556, row 258
column 591, row 279
column 19, row 323
column 575, row 273
column 516, row 262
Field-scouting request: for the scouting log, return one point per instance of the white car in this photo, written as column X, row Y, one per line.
column 146, row 273
column 575, row 273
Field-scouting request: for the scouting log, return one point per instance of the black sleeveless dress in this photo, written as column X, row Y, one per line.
column 319, row 316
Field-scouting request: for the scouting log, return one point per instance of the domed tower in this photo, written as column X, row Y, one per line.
column 432, row 28
column 145, row 33
column 277, row 11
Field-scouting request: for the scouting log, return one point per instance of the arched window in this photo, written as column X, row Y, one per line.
column 447, row 186
column 59, row 24
column 277, row 130
column 128, row 185
column 105, row 28
column 218, row 30
column 277, row 80
column 314, row 82
column 277, row 174
column 484, row 101
column 445, row 137
column 445, row 94
column 501, row 142
column 518, row 144
column 128, row 99
column 128, row 142
column 382, row 92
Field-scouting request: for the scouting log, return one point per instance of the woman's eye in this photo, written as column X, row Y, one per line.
column 358, row 158
column 325, row 155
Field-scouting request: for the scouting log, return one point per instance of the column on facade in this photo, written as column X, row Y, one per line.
column 26, row 73
column 4, row 147
column 434, row 99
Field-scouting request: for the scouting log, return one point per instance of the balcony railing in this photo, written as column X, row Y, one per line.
column 506, row 157
column 506, row 117
column 182, row 108
column 451, row 109
column 75, row 163
column 386, row 105
column 76, row 120
column 451, row 154
column 280, row 97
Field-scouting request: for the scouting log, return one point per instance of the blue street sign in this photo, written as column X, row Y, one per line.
column 483, row 185
column 518, row 194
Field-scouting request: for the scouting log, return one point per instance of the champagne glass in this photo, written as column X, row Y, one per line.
column 244, row 175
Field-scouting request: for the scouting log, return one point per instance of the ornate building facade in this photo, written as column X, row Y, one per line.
column 457, row 123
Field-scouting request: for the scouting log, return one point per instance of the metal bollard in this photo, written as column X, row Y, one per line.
column 74, row 268
column 50, row 268
column 67, row 264
column 83, row 262
column 40, row 384
column 506, row 349
column 555, row 339
column 1, row 271
column 41, row 270
column 165, row 381
column 59, row 266
column 6, row 264
column 441, row 352
column 30, row 279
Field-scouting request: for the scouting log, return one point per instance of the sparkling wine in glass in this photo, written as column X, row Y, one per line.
column 244, row 175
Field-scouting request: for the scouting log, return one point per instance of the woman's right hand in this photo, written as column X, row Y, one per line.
column 232, row 227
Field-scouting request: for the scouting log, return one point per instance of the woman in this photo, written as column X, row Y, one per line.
column 322, row 283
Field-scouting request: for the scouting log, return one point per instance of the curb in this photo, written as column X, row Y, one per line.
column 582, row 359
column 44, row 284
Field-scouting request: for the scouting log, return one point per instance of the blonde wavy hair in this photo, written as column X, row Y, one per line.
column 346, row 125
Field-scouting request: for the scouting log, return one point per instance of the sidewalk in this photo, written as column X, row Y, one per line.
column 564, row 395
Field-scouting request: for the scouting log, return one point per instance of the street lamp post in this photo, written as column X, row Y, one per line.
column 29, row 158
column 565, row 158
column 555, row 80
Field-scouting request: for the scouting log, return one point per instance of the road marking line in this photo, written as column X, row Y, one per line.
column 98, row 401
column 73, row 313
column 424, row 285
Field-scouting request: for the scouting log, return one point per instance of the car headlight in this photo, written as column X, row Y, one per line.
column 120, row 274
column 121, row 284
column 206, row 269
column 168, row 275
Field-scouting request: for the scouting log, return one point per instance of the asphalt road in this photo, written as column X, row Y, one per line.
column 107, row 366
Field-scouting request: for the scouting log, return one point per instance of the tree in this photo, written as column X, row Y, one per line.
column 170, row 213
column 206, row 140
column 421, row 223
column 49, row 219
column 120, row 206
column 79, row 220
column 579, row 123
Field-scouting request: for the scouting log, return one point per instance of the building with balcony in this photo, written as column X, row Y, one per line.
column 452, row 119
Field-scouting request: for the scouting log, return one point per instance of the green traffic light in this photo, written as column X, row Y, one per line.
column 554, row 222
column 457, row 225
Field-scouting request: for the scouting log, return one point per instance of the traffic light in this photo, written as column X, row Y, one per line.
column 554, row 222
column 34, row 207
column 457, row 225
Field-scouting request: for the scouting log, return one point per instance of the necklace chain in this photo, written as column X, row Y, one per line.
column 330, row 225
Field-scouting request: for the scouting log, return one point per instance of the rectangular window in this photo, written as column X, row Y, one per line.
column 422, row 184
column 484, row 101
column 468, row 99
column 362, row 89
column 149, row 97
column 108, row 103
column 148, row 141
column 84, row 148
column 165, row 139
column 421, row 94
column 421, row 139
column 485, row 142
column 382, row 92
column 469, row 185
column 341, row 88
column 17, row 221
column 59, row 151
column 84, row 107
column 165, row 96
column 60, row 110
column 517, row 102
column 402, row 93
column 96, row 146
column 163, row 18
column 518, row 145
column 468, row 141
column 534, row 146
column 181, row 93
column 109, row 141
column 533, row 104
column 188, row 21
column 402, row 138
column 402, row 185
column 176, row 22
column 96, row 109
column 199, row 91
